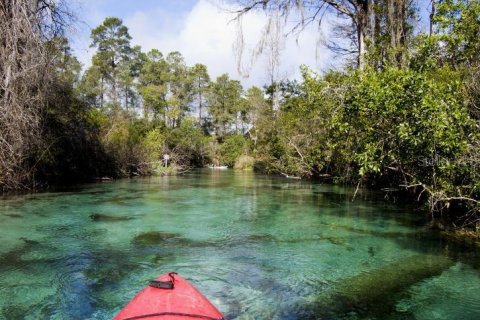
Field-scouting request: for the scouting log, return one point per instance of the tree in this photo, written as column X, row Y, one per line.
column 365, row 16
column 458, row 24
column 391, row 32
column 128, row 74
column 358, row 11
column 90, row 87
column 236, row 101
column 218, row 102
column 258, row 113
column 179, row 85
column 453, row 42
column 112, row 41
column 25, row 76
column 66, row 64
column 165, row 86
column 226, row 104
column 200, row 81
column 69, row 150
column 152, row 86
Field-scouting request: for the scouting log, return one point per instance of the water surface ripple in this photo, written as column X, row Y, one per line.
column 259, row 247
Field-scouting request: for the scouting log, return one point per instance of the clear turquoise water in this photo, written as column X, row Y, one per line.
column 258, row 247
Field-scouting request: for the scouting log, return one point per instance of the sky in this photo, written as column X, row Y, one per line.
column 203, row 31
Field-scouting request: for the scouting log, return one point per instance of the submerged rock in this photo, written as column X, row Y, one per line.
column 160, row 258
column 14, row 256
column 155, row 238
column 13, row 215
column 332, row 240
column 261, row 237
column 101, row 217
column 14, row 312
column 104, row 275
column 376, row 291
column 29, row 241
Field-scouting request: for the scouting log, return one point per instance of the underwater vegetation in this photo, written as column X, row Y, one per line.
column 378, row 290
column 152, row 238
column 102, row 217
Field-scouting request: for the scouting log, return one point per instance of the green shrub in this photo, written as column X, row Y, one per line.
column 153, row 145
column 188, row 143
column 244, row 162
column 231, row 149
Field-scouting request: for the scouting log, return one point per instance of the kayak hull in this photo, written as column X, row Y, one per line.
column 183, row 302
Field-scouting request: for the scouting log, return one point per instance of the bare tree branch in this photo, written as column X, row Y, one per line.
column 25, row 26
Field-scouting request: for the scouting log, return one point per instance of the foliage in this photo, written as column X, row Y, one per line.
column 112, row 41
column 187, row 144
column 70, row 147
column 200, row 81
column 458, row 24
column 232, row 148
column 407, row 128
column 244, row 162
column 154, row 145
column 226, row 103
column 402, row 118
column 407, row 119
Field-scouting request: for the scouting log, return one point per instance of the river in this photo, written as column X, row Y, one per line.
column 258, row 247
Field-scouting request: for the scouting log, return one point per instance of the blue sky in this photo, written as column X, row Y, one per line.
column 200, row 31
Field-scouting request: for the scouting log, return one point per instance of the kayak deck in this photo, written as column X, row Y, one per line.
column 182, row 302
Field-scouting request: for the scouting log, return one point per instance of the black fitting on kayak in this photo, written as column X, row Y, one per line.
column 164, row 284
column 161, row 284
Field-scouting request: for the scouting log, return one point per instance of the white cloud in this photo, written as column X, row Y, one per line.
column 206, row 34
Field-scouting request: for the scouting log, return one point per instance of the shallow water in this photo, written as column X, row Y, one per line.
column 258, row 247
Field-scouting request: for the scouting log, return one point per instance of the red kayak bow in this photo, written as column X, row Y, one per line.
column 169, row 297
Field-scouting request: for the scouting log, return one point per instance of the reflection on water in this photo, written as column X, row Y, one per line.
column 258, row 247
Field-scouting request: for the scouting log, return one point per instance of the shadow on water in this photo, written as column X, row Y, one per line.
column 421, row 239
column 14, row 256
column 13, row 215
column 433, row 242
column 80, row 278
column 155, row 238
column 163, row 239
column 103, row 217
column 371, row 294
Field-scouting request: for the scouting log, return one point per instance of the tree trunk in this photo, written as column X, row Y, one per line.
column 361, row 46
column 114, row 91
column 362, row 25
column 101, row 92
column 236, row 122
column 199, row 103
column 432, row 15
column 396, row 23
column 126, row 97
column 378, row 12
column 361, row 19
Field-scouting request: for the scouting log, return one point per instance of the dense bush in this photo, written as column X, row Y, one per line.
column 411, row 128
column 187, row 144
column 244, row 162
column 232, row 148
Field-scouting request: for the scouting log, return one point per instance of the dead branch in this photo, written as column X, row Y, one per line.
column 25, row 26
